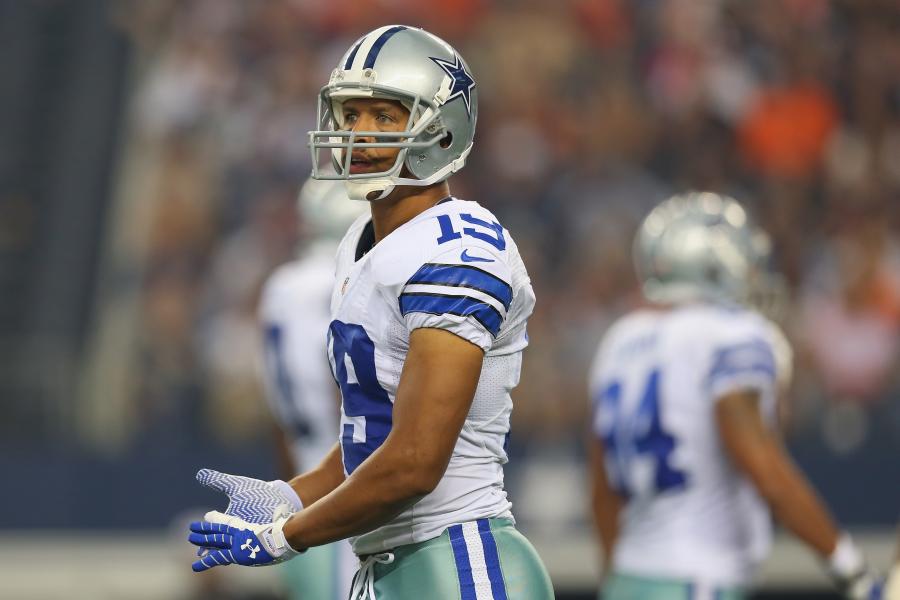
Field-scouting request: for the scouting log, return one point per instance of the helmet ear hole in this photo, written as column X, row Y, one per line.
column 446, row 140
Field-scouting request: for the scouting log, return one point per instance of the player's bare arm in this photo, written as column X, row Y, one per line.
column 327, row 475
column 757, row 451
column 315, row 484
column 605, row 503
column 435, row 392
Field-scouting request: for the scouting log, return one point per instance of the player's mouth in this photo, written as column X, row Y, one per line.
column 359, row 163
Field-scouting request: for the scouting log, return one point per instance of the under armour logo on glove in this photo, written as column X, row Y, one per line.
column 219, row 537
column 247, row 546
column 252, row 500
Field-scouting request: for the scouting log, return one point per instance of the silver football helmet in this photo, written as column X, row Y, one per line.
column 430, row 79
column 700, row 246
column 325, row 213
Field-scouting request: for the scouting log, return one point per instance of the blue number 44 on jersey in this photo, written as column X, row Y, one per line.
column 632, row 437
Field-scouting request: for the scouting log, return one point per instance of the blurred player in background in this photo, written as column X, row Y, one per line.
column 294, row 313
column 428, row 323
column 686, row 456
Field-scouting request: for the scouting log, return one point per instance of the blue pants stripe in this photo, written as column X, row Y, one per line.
column 463, row 566
column 492, row 560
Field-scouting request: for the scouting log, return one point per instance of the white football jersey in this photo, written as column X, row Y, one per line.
column 295, row 313
column 451, row 267
column 689, row 514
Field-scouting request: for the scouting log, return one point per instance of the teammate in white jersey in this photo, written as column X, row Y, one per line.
column 294, row 315
column 429, row 312
column 686, row 458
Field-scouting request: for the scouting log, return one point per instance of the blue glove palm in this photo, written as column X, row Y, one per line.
column 227, row 540
column 252, row 500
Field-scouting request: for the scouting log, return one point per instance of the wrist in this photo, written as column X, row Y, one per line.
column 846, row 561
column 281, row 538
column 296, row 504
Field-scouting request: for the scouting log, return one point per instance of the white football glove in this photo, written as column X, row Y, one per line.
column 253, row 500
column 855, row 579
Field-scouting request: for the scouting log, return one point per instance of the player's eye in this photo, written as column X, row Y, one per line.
column 385, row 118
column 350, row 117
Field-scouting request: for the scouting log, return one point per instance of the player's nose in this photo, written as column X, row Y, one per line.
column 362, row 125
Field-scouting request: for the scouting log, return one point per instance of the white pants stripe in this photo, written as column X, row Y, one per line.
column 476, row 560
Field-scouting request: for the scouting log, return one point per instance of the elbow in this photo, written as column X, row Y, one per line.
column 764, row 466
column 417, row 475
column 425, row 474
column 423, row 482
column 768, row 485
column 767, row 489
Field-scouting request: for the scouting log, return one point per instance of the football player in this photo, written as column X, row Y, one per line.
column 685, row 454
column 428, row 322
column 295, row 314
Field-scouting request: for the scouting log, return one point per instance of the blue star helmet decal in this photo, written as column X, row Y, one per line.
column 462, row 83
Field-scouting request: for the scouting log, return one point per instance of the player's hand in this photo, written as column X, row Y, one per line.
column 252, row 500
column 848, row 568
column 226, row 540
column 868, row 585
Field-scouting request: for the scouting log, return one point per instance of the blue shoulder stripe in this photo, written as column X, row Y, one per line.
column 462, row 306
column 464, row 276
column 754, row 356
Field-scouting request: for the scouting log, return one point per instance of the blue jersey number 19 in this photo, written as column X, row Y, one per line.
column 632, row 439
column 364, row 402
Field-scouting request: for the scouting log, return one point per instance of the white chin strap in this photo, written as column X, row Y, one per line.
column 361, row 189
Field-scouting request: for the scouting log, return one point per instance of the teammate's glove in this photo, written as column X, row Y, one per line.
column 252, row 500
column 226, row 540
column 856, row 580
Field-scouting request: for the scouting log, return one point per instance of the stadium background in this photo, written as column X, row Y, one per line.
column 150, row 154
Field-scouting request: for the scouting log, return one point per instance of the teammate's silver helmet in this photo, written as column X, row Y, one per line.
column 699, row 246
column 430, row 79
column 325, row 212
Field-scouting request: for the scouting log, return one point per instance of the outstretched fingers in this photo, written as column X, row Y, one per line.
column 216, row 480
column 216, row 558
column 211, row 540
column 211, row 535
column 208, row 527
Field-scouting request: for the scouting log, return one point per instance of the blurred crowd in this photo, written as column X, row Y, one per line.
column 591, row 112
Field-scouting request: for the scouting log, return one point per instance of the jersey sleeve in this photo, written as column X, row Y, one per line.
column 743, row 358
column 470, row 300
